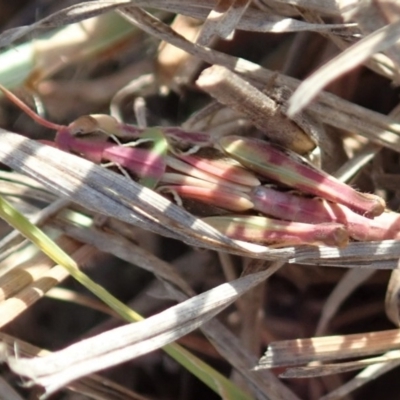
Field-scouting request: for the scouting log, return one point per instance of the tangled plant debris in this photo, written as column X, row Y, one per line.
column 213, row 125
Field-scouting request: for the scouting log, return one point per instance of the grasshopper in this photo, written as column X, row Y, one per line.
column 322, row 211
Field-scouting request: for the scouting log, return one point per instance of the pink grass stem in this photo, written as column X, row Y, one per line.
column 222, row 169
column 294, row 207
column 289, row 169
column 213, row 196
column 141, row 162
column 279, row 233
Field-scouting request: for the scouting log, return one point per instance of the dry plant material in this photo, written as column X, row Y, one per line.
column 69, row 15
column 381, row 35
column 229, row 184
column 341, row 367
column 93, row 386
column 368, row 374
column 329, row 109
column 252, row 186
column 350, row 281
column 171, row 60
column 23, row 286
column 233, row 91
column 222, row 20
column 302, row 351
column 392, row 299
column 124, row 343
column 115, row 196
column 227, row 344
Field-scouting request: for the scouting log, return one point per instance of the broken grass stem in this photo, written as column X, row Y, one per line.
column 233, row 91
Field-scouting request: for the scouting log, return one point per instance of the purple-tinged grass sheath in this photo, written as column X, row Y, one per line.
column 279, row 233
column 172, row 178
column 289, row 169
column 314, row 210
column 142, row 162
column 91, row 150
column 213, row 196
column 187, row 169
column 222, row 169
column 109, row 125
column 389, row 223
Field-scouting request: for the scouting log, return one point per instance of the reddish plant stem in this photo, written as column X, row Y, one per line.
column 295, row 207
column 289, row 169
column 214, row 196
column 141, row 162
column 280, row 233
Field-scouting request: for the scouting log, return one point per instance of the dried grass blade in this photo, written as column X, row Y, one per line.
column 326, row 7
column 377, row 41
column 367, row 375
column 252, row 20
column 38, row 219
column 21, row 301
column 392, row 300
column 68, row 15
column 330, row 369
column 123, row 249
column 264, row 383
column 371, row 16
column 17, row 277
column 235, row 92
column 222, row 21
column 350, row 281
column 329, row 108
column 225, row 342
column 303, row 351
column 358, row 253
column 95, row 386
column 111, row 194
column 212, row 378
column 130, row 341
column 104, row 189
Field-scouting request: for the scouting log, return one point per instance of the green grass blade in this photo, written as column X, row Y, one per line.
column 209, row 376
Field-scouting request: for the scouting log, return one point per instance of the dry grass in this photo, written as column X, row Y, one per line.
column 308, row 75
